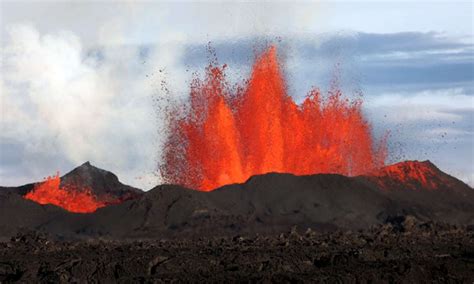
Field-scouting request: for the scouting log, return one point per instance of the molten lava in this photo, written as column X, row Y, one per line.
column 226, row 136
column 67, row 197
column 412, row 175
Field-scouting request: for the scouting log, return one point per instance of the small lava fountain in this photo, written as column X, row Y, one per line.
column 228, row 134
column 72, row 199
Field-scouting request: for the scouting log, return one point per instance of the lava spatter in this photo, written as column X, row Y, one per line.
column 225, row 137
column 72, row 199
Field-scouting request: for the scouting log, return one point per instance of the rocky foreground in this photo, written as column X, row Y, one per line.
column 404, row 251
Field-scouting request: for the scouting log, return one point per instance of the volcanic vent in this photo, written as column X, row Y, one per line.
column 414, row 175
column 83, row 190
column 229, row 134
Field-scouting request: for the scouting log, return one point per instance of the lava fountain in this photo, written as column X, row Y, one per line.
column 72, row 199
column 228, row 134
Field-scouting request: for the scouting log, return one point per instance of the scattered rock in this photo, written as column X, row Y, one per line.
column 379, row 254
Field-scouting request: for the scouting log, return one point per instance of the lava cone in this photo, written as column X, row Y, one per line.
column 83, row 190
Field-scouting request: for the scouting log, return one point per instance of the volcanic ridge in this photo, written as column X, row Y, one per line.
column 267, row 203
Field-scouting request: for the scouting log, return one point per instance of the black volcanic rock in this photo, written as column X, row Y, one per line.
column 422, row 190
column 101, row 182
column 264, row 204
column 414, row 253
column 275, row 202
column 21, row 190
column 17, row 213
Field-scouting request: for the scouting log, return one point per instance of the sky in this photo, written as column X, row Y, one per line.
column 79, row 80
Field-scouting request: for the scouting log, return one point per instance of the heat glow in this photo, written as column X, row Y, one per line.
column 70, row 198
column 228, row 134
column 412, row 175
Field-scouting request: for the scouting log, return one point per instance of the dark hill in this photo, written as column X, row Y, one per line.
column 101, row 182
column 264, row 204
column 423, row 190
column 415, row 175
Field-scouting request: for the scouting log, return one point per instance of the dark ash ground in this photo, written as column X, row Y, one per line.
column 404, row 251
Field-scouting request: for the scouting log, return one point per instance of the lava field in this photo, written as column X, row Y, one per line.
column 270, row 203
column 401, row 251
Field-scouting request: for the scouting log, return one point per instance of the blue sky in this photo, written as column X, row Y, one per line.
column 78, row 78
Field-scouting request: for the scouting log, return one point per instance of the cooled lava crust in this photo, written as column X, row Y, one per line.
column 403, row 251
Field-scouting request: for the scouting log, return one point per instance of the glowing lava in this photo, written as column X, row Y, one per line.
column 412, row 175
column 67, row 197
column 227, row 136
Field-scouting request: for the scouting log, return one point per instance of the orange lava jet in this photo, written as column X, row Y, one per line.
column 226, row 136
column 71, row 199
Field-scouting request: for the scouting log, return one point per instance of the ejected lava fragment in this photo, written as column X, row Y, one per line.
column 228, row 135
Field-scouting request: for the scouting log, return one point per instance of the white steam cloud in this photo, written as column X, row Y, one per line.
column 57, row 100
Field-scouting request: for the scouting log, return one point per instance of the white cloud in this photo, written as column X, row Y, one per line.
column 468, row 178
column 143, row 21
column 55, row 99
column 45, row 78
column 428, row 105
